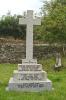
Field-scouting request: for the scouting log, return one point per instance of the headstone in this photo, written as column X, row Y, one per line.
column 58, row 62
column 29, row 76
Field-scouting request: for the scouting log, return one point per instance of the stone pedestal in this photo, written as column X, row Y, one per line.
column 29, row 77
column 28, row 61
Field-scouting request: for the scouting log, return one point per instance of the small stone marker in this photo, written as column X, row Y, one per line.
column 58, row 64
column 29, row 76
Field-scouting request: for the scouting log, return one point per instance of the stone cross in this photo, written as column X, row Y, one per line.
column 29, row 21
column 29, row 76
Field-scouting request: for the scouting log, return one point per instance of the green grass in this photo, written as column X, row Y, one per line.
column 58, row 79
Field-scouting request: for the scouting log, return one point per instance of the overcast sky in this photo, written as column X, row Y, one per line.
column 19, row 6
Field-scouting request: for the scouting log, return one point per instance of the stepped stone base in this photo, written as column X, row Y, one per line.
column 30, row 86
column 33, row 61
column 29, row 77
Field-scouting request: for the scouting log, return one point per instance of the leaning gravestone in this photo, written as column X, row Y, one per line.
column 29, row 76
column 58, row 64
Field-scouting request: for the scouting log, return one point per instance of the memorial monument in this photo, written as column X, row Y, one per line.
column 29, row 76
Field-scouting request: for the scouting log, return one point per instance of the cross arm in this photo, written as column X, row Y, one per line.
column 37, row 21
column 22, row 21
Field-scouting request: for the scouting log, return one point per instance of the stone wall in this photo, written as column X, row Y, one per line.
column 13, row 52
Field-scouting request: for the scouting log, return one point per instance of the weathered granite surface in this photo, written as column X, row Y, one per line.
column 30, row 86
column 29, row 77
column 26, row 77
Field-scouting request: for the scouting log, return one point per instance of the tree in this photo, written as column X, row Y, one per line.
column 9, row 27
column 54, row 21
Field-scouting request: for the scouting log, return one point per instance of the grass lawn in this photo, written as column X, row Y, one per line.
column 58, row 79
